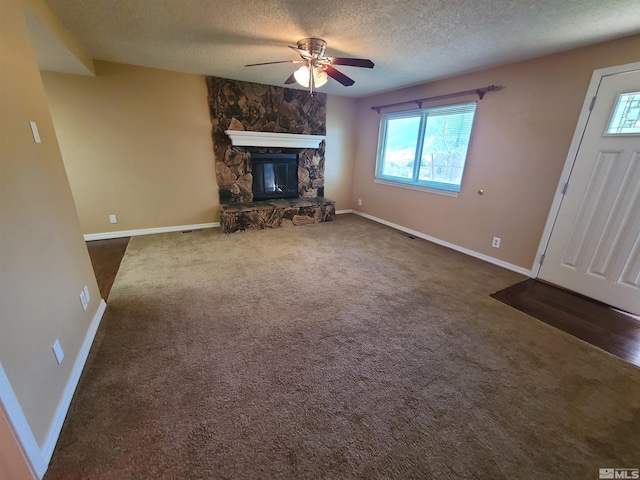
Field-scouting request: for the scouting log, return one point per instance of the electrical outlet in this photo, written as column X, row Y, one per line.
column 57, row 351
column 360, row 202
column 86, row 293
column 83, row 300
column 113, row 219
column 496, row 242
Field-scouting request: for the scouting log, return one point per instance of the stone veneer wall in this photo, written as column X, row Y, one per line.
column 237, row 105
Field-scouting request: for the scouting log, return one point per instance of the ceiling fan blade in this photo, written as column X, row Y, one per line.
column 340, row 77
column 271, row 63
column 290, row 80
column 351, row 62
column 302, row 53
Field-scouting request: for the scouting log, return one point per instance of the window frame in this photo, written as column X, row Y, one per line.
column 415, row 183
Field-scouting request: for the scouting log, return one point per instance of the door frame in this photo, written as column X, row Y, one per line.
column 585, row 113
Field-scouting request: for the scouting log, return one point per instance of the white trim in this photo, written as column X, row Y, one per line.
column 65, row 401
column 581, row 126
column 241, row 138
column 21, row 427
column 420, row 188
column 472, row 253
column 348, row 210
column 148, row 231
column 37, row 457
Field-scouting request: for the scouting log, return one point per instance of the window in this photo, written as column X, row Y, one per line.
column 626, row 115
column 425, row 148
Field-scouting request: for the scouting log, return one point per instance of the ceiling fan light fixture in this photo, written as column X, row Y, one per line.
column 319, row 77
column 302, row 76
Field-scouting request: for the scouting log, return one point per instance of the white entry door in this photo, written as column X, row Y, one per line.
column 594, row 247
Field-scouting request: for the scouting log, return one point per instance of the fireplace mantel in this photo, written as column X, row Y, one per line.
column 241, row 138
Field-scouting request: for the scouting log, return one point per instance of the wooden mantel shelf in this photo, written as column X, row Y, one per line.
column 241, row 138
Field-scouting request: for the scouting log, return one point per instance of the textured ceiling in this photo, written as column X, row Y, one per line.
column 410, row 41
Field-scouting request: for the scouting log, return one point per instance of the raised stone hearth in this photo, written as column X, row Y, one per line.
column 275, row 213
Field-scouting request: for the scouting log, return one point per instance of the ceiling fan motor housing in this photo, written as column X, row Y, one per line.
column 315, row 46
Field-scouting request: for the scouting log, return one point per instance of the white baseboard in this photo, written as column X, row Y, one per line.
column 37, row 457
column 340, row 212
column 148, row 231
column 65, row 401
column 472, row 253
column 21, row 429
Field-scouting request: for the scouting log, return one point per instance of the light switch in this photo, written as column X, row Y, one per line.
column 34, row 130
column 57, row 351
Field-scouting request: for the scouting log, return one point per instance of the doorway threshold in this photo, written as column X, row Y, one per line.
column 594, row 322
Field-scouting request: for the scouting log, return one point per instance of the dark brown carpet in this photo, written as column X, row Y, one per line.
column 338, row 350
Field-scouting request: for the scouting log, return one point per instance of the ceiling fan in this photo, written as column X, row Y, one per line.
column 316, row 68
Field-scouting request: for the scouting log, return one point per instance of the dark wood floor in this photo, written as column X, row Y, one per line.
column 582, row 317
column 106, row 256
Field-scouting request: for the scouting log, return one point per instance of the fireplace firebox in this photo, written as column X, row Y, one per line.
column 275, row 175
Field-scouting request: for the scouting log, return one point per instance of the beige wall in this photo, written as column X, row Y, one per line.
column 340, row 150
column 136, row 142
column 43, row 258
column 519, row 145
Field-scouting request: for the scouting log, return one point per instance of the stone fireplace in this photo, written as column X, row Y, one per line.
column 235, row 173
column 253, row 122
